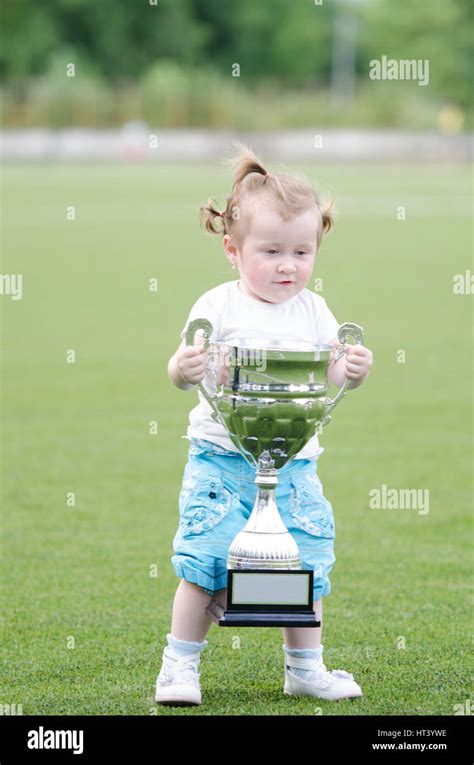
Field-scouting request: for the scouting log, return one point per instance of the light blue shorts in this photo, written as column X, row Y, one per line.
column 217, row 496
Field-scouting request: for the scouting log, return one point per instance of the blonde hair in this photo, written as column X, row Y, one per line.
column 292, row 194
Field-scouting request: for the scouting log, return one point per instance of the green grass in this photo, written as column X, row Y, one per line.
column 84, row 572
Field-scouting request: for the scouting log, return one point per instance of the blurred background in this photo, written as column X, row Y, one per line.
column 115, row 116
column 170, row 63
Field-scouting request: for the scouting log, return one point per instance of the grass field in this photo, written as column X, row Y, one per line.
column 84, row 623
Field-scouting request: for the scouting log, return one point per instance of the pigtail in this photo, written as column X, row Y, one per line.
column 327, row 214
column 208, row 215
column 243, row 162
column 293, row 193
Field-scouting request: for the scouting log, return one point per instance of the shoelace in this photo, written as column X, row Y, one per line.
column 322, row 676
column 186, row 666
column 342, row 673
column 317, row 672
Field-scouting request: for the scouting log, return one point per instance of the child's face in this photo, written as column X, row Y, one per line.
column 273, row 251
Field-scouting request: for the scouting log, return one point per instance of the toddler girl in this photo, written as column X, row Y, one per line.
column 272, row 227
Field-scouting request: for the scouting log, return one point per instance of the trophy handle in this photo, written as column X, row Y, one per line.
column 355, row 334
column 207, row 328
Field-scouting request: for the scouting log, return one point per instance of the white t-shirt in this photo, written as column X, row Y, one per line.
column 232, row 313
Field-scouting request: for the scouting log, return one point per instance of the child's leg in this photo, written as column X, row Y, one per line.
column 190, row 621
column 305, row 637
column 305, row 643
column 305, row 671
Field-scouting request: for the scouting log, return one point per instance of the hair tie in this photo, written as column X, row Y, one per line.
column 221, row 213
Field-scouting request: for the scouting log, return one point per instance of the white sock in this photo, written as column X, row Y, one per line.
column 178, row 647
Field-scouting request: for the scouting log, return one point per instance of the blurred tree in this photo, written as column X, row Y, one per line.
column 120, row 38
column 277, row 38
column 288, row 41
column 440, row 31
column 29, row 33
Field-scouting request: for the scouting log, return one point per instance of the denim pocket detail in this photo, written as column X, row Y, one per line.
column 203, row 502
column 199, row 446
column 309, row 509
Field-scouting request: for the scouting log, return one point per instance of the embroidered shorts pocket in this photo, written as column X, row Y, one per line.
column 199, row 446
column 196, row 448
column 309, row 509
column 203, row 502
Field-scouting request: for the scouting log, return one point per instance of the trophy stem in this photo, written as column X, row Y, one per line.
column 265, row 518
column 264, row 542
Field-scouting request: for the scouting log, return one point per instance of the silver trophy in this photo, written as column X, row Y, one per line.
column 271, row 396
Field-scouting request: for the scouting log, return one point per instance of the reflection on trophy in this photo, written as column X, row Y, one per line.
column 271, row 396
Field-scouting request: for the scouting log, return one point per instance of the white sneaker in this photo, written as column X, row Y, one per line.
column 178, row 681
column 332, row 686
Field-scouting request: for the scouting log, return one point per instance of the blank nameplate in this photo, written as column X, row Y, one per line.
column 270, row 589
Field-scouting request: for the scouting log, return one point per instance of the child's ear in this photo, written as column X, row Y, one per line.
column 229, row 245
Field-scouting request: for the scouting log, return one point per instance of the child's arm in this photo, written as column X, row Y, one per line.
column 186, row 368
column 355, row 365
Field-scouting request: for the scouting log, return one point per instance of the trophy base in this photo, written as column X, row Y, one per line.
column 267, row 598
column 268, row 619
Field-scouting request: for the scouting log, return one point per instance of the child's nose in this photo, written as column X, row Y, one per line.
column 287, row 266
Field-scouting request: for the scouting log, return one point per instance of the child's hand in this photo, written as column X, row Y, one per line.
column 358, row 362
column 191, row 362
